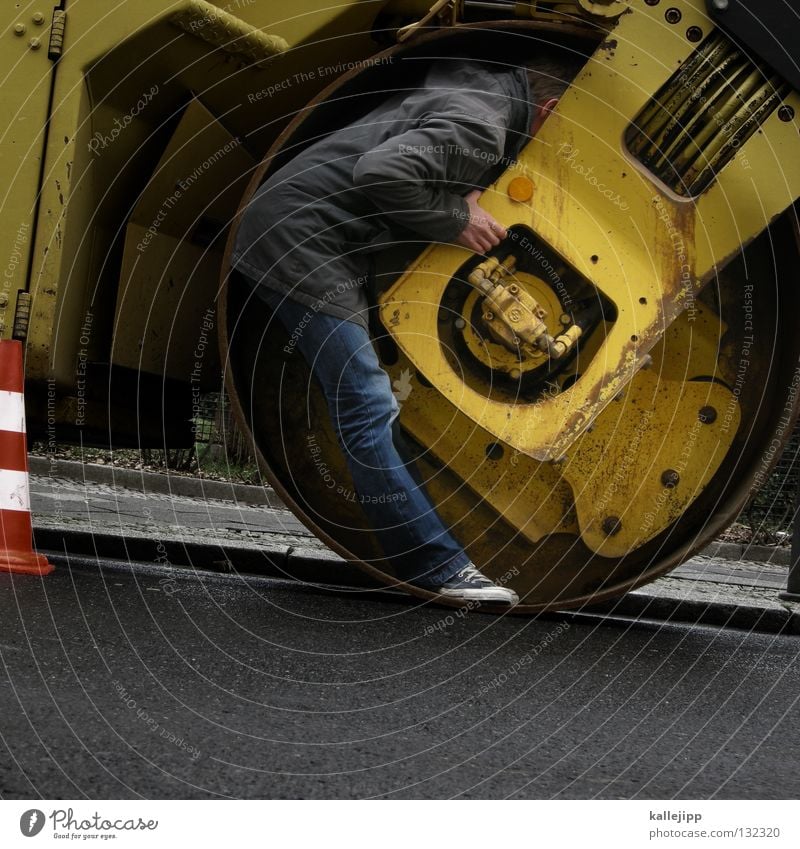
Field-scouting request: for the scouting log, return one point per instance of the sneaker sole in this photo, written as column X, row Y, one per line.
column 490, row 594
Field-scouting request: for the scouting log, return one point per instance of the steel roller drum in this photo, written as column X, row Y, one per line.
column 667, row 451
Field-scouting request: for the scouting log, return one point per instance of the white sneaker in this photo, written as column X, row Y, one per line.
column 472, row 585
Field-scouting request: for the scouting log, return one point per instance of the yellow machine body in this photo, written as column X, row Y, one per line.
column 135, row 131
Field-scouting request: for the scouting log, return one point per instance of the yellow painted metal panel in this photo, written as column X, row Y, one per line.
column 644, row 247
column 25, row 79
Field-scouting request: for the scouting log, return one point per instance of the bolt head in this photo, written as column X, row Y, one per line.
column 670, row 478
column 460, row 324
column 707, row 415
column 720, row 5
column 611, row 526
column 35, row 44
column 19, row 29
column 38, row 18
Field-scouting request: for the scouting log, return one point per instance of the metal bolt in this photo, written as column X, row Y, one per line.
column 720, row 5
column 647, row 362
column 670, row 478
column 565, row 319
column 515, row 374
column 460, row 324
column 494, row 451
column 694, row 33
column 786, row 113
column 34, row 44
column 707, row 415
column 488, row 316
column 38, row 18
column 673, row 15
column 442, row 316
column 611, row 526
column 652, row 2
column 513, row 288
column 19, row 29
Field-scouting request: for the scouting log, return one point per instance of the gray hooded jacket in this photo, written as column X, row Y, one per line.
column 401, row 171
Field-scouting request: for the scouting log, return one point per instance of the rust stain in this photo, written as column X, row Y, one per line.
column 610, row 45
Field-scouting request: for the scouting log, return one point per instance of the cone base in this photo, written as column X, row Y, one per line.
column 24, row 563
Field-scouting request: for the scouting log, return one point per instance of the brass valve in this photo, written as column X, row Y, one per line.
column 514, row 317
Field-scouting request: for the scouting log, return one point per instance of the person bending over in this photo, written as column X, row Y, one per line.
column 412, row 168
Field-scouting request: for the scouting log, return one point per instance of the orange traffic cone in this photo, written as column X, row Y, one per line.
column 16, row 552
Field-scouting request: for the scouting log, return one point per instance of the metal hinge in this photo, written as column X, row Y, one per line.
column 57, row 34
column 22, row 316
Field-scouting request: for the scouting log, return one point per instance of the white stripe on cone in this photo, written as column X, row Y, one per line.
column 14, row 493
column 12, row 412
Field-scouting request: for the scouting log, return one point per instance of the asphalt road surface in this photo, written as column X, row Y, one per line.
column 121, row 683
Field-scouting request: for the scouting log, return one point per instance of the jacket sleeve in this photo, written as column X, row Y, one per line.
column 410, row 176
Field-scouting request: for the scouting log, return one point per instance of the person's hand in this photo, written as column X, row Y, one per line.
column 482, row 232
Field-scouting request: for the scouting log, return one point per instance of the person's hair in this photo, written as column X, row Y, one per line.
column 551, row 72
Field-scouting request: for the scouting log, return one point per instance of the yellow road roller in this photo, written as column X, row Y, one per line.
column 588, row 404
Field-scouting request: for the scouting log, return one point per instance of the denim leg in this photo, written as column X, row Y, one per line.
column 363, row 409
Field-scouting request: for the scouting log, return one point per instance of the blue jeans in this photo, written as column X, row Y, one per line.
column 363, row 410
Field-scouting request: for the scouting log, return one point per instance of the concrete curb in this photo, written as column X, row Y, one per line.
column 639, row 605
column 237, row 493
column 298, row 563
column 325, row 569
column 154, row 482
column 775, row 555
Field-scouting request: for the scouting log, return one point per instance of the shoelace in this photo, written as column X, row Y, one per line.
column 471, row 573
